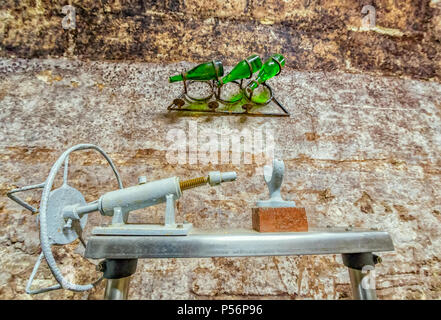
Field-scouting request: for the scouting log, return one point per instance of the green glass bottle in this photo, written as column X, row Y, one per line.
column 244, row 69
column 270, row 68
column 205, row 71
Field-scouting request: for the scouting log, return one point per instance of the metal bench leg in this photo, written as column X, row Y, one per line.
column 361, row 267
column 358, row 292
column 118, row 272
column 117, row 289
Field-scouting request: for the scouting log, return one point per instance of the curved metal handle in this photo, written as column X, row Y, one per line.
column 274, row 177
column 44, row 238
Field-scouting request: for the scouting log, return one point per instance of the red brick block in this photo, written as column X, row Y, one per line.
column 280, row 219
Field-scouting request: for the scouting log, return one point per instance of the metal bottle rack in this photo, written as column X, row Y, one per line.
column 214, row 104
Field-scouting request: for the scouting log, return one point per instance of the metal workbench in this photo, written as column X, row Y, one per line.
column 356, row 246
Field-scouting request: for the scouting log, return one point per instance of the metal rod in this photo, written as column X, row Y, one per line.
column 66, row 170
column 117, row 289
column 87, row 208
column 22, row 202
column 362, row 288
column 231, row 113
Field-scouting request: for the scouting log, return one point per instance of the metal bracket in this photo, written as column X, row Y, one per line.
column 169, row 210
column 274, row 177
column 218, row 106
column 120, row 227
column 119, row 216
column 359, row 260
column 117, row 268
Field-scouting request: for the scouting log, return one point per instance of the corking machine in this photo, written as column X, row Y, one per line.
column 62, row 216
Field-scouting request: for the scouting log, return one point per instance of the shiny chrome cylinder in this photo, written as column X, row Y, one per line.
column 140, row 196
column 117, row 289
column 360, row 290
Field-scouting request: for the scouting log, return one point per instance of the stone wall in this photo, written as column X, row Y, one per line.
column 362, row 146
column 312, row 34
column 359, row 150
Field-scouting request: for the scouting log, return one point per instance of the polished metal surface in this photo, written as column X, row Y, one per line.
column 238, row 243
column 117, row 289
column 128, row 229
column 362, row 289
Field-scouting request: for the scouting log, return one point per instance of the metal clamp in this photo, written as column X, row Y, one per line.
column 250, row 97
column 218, row 94
column 191, row 99
column 280, row 66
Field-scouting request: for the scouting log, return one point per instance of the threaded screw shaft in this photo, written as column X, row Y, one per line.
column 192, row 183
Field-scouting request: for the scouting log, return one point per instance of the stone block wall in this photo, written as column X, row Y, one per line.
column 362, row 146
column 312, row 34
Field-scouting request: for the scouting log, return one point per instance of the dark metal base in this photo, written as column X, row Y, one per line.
column 359, row 260
column 118, row 268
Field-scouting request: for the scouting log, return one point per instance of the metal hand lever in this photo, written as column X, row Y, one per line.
column 54, row 229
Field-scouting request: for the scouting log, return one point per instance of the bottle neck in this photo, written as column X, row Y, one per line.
column 178, row 77
column 253, row 85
